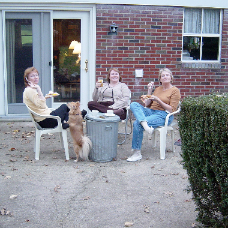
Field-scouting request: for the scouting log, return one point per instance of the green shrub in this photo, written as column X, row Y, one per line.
column 203, row 125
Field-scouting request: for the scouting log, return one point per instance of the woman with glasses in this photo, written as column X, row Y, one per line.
column 35, row 100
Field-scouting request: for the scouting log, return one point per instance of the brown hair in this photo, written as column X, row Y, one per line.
column 108, row 76
column 27, row 72
column 167, row 70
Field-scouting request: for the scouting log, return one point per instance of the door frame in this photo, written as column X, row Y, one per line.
column 41, row 55
column 86, row 76
column 29, row 7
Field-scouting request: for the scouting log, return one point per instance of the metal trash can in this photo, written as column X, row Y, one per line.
column 103, row 132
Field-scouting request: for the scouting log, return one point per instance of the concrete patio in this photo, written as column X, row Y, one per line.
column 56, row 193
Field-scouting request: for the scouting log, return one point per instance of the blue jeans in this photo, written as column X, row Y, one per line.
column 154, row 118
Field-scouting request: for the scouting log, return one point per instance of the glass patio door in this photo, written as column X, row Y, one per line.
column 70, row 57
column 28, row 43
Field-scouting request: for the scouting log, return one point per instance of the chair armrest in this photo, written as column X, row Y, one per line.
column 52, row 117
column 45, row 116
column 171, row 114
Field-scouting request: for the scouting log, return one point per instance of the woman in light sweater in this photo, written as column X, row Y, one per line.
column 113, row 95
column 35, row 100
column 164, row 100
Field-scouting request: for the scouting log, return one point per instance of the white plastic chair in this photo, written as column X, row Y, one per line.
column 128, row 118
column 163, row 134
column 40, row 131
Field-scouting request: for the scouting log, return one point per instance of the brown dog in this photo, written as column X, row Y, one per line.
column 82, row 144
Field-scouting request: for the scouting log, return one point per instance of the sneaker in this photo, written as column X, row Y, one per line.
column 135, row 157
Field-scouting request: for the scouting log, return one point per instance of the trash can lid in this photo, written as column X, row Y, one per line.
column 102, row 117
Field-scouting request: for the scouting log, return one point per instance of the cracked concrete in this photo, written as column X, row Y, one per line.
column 54, row 193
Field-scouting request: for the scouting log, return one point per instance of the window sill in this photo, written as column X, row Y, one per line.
column 203, row 65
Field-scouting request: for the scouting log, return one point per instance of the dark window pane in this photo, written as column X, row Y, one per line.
column 19, row 56
column 191, row 48
column 210, row 48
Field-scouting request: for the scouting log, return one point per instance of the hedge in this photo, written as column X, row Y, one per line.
column 203, row 126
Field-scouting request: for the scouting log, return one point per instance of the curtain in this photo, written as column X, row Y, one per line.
column 211, row 20
column 10, row 60
column 192, row 20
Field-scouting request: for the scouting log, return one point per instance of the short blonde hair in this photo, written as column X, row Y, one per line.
column 167, row 70
column 109, row 71
column 27, row 72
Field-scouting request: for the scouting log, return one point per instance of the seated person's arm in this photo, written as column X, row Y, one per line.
column 122, row 101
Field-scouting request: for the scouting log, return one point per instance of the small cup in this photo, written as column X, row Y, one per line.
column 110, row 112
column 100, row 80
column 95, row 113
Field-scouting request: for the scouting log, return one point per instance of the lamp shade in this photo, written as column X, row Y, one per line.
column 73, row 43
column 77, row 48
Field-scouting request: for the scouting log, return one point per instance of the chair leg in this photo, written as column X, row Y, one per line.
column 125, row 130
column 153, row 137
column 37, row 145
column 172, row 138
column 61, row 139
column 65, row 143
column 125, row 133
column 162, row 143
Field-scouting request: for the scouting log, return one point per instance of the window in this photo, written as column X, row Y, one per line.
column 202, row 34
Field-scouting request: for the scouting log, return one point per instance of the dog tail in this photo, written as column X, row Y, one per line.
column 86, row 147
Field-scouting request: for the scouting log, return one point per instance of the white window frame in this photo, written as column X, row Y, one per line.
column 201, row 35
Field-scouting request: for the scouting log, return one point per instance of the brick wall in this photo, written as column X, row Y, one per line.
column 150, row 38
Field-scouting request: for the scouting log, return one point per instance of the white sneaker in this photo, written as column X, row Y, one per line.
column 135, row 157
column 150, row 130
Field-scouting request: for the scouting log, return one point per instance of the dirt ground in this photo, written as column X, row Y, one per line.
column 56, row 193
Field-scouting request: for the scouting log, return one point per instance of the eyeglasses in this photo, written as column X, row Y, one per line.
column 34, row 75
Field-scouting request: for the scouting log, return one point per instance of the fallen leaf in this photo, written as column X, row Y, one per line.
column 146, row 209
column 13, row 196
column 7, row 177
column 128, row 224
column 86, row 198
column 12, row 149
column 3, row 211
column 169, row 193
column 174, row 173
column 16, row 130
column 56, row 188
column 26, row 158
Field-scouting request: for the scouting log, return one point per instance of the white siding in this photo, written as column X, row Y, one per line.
column 192, row 3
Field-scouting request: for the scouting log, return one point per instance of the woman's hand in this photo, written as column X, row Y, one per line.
column 153, row 98
column 163, row 104
column 38, row 89
column 47, row 96
column 34, row 86
column 98, row 84
column 150, row 87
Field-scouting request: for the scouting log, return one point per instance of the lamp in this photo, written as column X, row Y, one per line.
column 113, row 29
column 77, row 50
column 72, row 44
